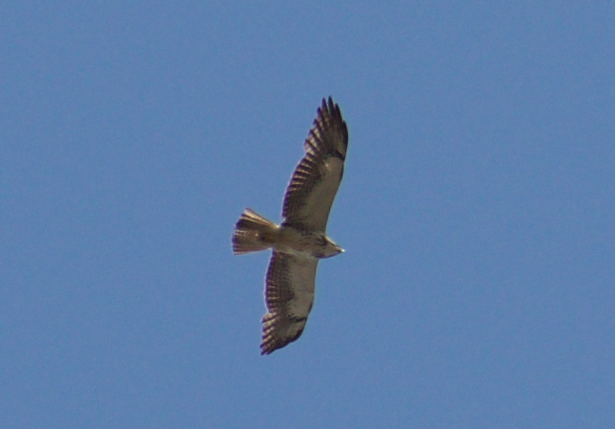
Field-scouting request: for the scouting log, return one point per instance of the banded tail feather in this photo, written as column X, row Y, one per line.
column 253, row 233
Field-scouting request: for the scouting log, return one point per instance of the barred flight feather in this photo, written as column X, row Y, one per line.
column 289, row 296
column 314, row 183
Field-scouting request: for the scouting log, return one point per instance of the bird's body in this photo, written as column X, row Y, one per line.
column 305, row 244
column 284, row 238
column 300, row 241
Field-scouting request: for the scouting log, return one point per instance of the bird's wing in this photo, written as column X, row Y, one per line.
column 316, row 179
column 289, row 295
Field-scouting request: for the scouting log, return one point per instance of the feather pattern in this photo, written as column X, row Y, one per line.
column 316, row 179
column 289, row 295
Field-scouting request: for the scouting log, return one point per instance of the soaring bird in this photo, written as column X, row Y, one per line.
column 300, row 241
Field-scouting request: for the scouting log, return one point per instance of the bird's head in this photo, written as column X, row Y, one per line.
column 328, row 248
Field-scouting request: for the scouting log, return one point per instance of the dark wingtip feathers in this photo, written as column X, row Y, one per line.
column 328, row 121
column 271, row 342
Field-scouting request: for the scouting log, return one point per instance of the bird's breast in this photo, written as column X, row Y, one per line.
column 297, row 242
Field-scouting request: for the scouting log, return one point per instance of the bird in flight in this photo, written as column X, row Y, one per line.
column 300, row 240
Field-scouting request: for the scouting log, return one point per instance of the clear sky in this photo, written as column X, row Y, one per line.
column 478, row 285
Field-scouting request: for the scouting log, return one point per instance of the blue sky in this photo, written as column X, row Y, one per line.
column 478, row 285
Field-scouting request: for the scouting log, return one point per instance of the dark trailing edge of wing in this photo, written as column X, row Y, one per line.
column 288, row 299
column 316, row 178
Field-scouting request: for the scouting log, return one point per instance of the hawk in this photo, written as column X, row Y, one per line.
column 300, row 241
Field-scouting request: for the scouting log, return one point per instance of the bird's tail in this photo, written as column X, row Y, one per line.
column 253, row 233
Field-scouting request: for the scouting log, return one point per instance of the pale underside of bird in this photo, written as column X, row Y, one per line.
column 300, row 241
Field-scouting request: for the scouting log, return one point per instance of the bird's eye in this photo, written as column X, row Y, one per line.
column 322, row 241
